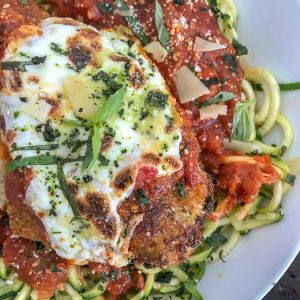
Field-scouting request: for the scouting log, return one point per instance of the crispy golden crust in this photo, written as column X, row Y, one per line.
column 172, row 226
column 23, row 221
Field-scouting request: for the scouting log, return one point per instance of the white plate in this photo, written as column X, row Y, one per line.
column 270, row 29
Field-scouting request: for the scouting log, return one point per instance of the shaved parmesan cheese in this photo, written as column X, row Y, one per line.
column 202, row 45
column 38, row 110
column 78, row 94
column 158, row 52
column 124, row 13
column 189, row 87
column 213, row 111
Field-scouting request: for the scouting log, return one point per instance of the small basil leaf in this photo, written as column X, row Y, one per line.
column 243, row 127
column 162, row 32
column 220, row 97
column 134, row 24
column 106, row 8
column 240, row 49
column 92, row 150
column 65, row 189
column 31, row 161
column 110, row 107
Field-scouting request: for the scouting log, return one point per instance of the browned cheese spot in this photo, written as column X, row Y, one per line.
column 95, row 207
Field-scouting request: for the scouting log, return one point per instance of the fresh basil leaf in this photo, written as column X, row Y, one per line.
column 220, row 97
column 243, row 127
column 284, row 87
column 24, row 2
column 240, row 49
column 190, row 286
column 65, row 189
column 162, row 32
column 106, row 8
column 110, row 107
column 134, row 24
column 31, row 161
column 90, row 157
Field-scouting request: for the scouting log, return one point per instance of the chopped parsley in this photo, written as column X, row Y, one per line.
column 106, row 8
column 141, row 197
column 157, row 99
column 49, row 133
column 240, row 49
column 56, row 48
column 180, row 190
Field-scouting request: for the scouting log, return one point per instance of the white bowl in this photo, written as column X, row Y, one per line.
column 271, row 31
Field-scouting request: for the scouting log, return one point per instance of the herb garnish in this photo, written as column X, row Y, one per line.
column 141, row 197
column 180, row 190
column 107, row 110
column 65, row 189
column 36, row 147
column 283, row 86
column 21, row 65
column 157, row 99
column 39, row 160
column 162, row 32
column 56, row 48
column 243, row 128
column 134, row 24
column 106, row 8
column 164, row 277
column 240, row 49
column 54, row 268
column 31, row 161
column 220, row 97
column 24, row 2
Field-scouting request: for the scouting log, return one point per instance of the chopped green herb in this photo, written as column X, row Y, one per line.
column 157, row 99
column 106, row 8
column 31, row 161
column 134, row 24
column 54, row 268
column 21, row 65
column 210, row 81
column 220, row 97
column 284, row 87
column 230, row 61
column 141, row 197
column 240, row 49
column 87, row 178
column 243, row 127
column 36, row 147
column 49, row 133
column 162, row 32
column 24, row 2
column 16, row 114
column 103, row 160
column 56, row 48
column 107, row 110
column 290, row 179
column 164, row 277
column 180, row 190
column 65, row 189
column 179, row 2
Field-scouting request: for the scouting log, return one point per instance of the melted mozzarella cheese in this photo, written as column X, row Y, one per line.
column 146, row 123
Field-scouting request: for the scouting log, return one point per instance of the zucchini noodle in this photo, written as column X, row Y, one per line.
column 177, row 282
column 268, row 113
